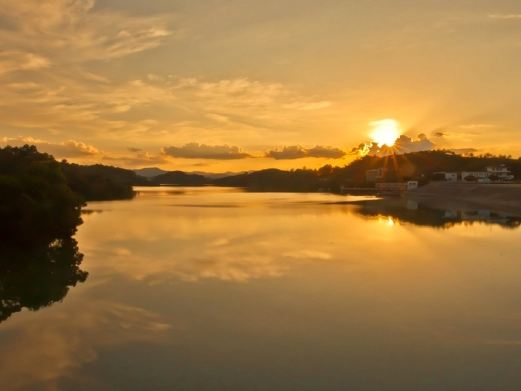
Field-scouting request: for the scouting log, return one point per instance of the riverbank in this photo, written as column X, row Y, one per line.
column 504, row 198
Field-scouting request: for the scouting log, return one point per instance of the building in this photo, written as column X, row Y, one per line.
column 491, row 174
column 447, row 176
column 451, row 176
column 501, row 172
column 395, row 187
column 375, row 175
column 479, row 176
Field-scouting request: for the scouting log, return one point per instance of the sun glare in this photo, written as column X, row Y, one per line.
column 385, row 132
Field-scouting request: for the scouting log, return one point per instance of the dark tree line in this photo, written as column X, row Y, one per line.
column 36, row 202
column 39, row 213
column 99, row 182
column 421, row 166
column 274, row 180
column 40, row 209
column 41, row 199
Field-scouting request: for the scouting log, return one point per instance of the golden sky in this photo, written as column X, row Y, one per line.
column 228, row 85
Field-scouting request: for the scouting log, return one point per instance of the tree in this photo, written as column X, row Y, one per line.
column 36, row 203
column 39, row 213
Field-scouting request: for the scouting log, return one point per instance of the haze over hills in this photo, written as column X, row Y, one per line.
column 218, row 175
column 150, row 172
column 153, row 172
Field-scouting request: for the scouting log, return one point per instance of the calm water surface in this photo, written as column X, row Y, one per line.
column 217, row 289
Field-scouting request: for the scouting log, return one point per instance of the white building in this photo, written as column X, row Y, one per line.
column 412, row 185
column 395, row 187
column 492, row 173
column 447, row 176
column 481, row 176
column 501, row 172
column 375, row 174
column 451, row 176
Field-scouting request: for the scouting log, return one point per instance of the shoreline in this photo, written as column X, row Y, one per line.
column 504, row 198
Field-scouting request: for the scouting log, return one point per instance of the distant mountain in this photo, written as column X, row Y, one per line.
column 273, row 180
column 216, row 175
column 180, row 178
column 150, row 172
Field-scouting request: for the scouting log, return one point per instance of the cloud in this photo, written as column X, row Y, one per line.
column 77, row 31
column 298, row 152
column 14, row 60
column 326, row 152
column 307, row 106
column 235, row 110
column 202, row 151
column 227, row 94
column 403, row 144
column 171, row 109
column 239, row 109
column 505, row 16
column 66, row 149
column 240, row 90
column 292, row 152
column 463, row 151
column 406, row 144
column 140, row 158
column 476, row 126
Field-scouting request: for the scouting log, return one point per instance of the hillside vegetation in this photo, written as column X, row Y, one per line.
column 41, row 199
column 419, row 165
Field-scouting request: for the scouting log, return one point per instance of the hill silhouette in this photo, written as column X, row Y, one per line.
column 179, row 178
column 420, row 166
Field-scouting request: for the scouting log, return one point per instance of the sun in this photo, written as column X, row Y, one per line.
column 385, row 132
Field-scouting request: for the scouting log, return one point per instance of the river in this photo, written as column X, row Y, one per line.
column 220, row 289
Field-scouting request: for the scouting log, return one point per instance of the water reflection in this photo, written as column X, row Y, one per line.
column 37, row 277
column 47, row 347
column 400, row 210
column 283, row 291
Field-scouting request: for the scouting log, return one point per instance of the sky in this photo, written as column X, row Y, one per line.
column 232, row 85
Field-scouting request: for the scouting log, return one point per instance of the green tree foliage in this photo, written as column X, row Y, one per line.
column 274, row 180
column 39, row 213
column 41, row 199
column 36, row 202
column 99, row 183
column 419, row 166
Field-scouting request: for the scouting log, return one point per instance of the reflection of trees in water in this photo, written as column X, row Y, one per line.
column 38, row 277
column 40, row 200
column 422, row 215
